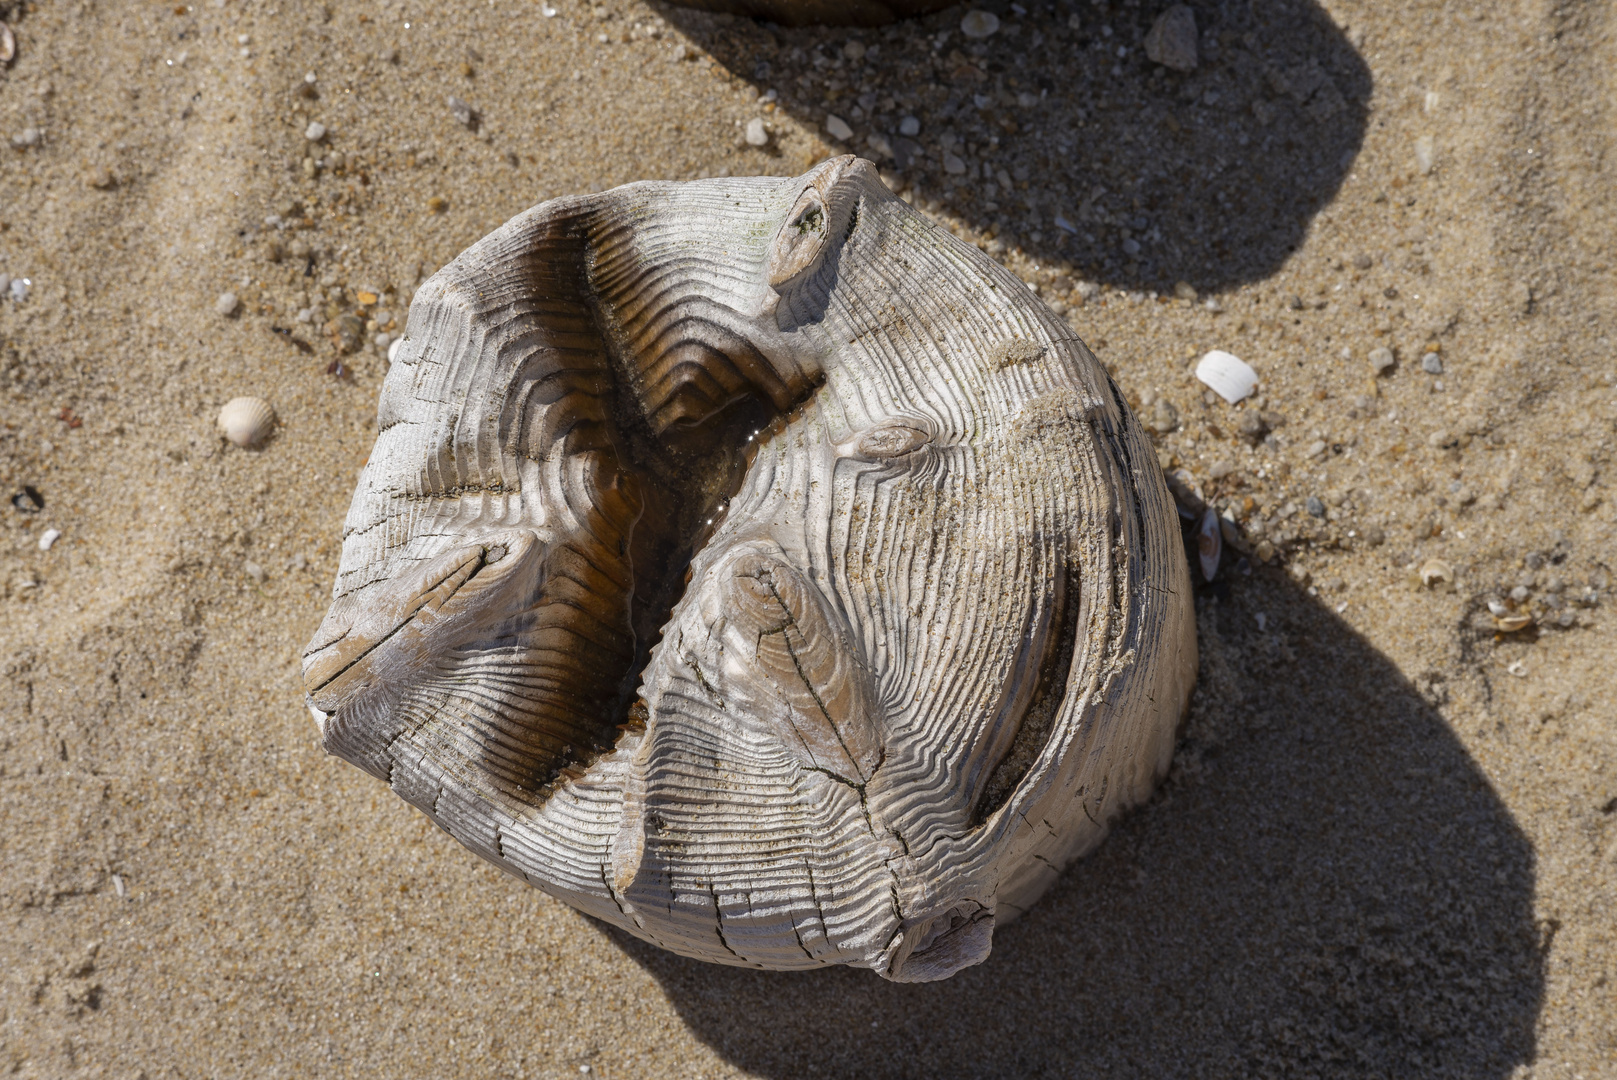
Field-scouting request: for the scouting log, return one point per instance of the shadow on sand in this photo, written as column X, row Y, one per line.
column 1326, row 885
column 1043, row 135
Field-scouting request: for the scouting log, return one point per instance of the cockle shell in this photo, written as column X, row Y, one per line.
column 756, row 567
column 246, row 421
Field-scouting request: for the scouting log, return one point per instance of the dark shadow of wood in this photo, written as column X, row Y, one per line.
column 1325, row 886
column 1119, row 171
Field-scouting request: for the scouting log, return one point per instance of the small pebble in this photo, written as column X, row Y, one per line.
column 979, row 24
column 254, row 571
column 837, row 127
column 909, row 126
column 315, row 131
column 854, row 50
column 19, row 288
column 463, row 113
column 28, row 136
column 757, row 134
column 1315, row 448
column 1362, row 262
column 1172, row 40
column 227, row 304
column 49, row 537
column 1316, row 508
column 1381, row 360
column 1520, row 593
column 1164, row 418
column 1432, row 364
column 28, row 500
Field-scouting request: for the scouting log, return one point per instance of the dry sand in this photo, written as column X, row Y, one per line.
column 1389, row 843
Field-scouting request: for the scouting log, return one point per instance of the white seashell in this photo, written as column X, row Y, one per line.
column 759, row 569
column 48, row 538
column 246, row 421
column 8, row 44
column 1229, row 376
column 1209, row 544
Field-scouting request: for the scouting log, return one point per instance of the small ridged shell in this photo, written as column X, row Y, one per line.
column 246, row 421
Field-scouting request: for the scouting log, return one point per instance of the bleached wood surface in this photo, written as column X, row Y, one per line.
column 756, row 567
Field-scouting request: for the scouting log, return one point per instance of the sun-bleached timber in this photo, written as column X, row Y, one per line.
column 756, row 567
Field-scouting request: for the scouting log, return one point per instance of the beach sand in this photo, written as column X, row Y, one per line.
column 1388, row 845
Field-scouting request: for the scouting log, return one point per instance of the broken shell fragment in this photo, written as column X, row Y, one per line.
column 246, row 421
column 1209, row 544
column 1509, row 624
column 1229, row 376
column 714, row 572
column 1187, row 495
column 1435, row 573
column 8, row 44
